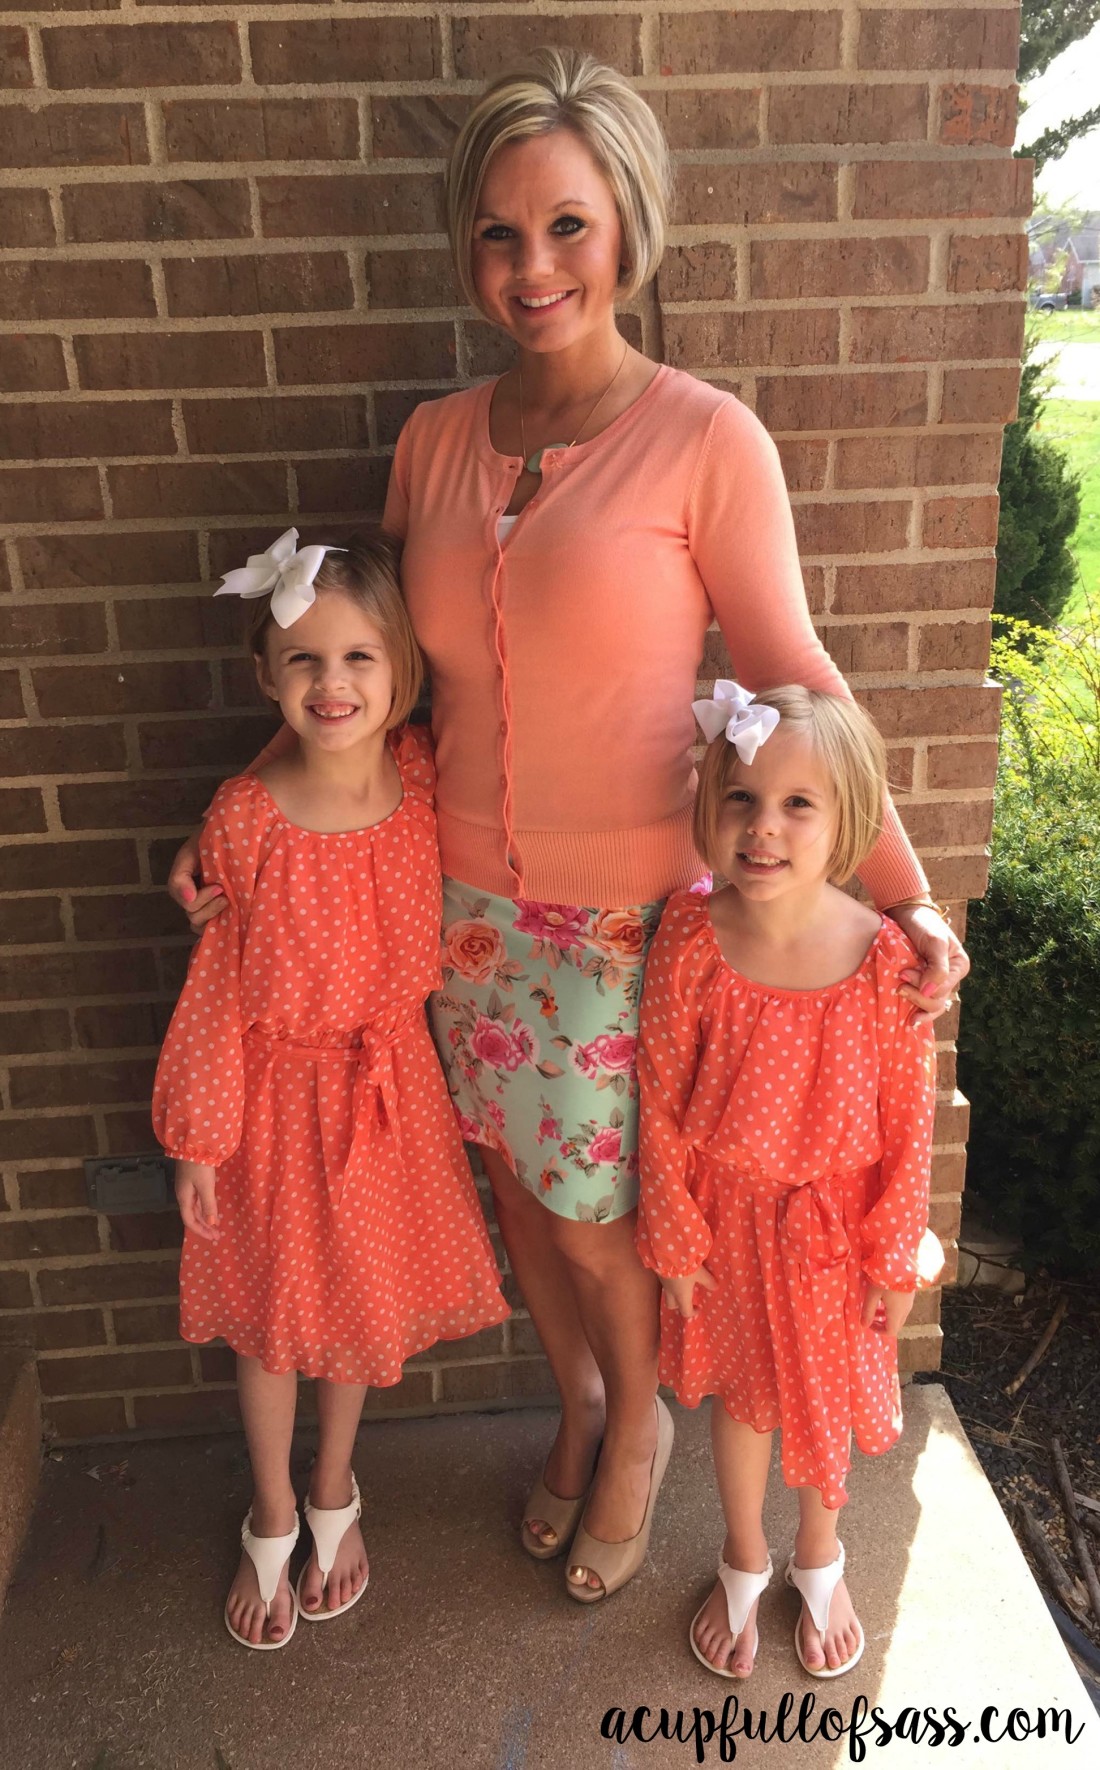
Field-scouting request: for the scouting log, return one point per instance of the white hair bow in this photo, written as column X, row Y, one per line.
column 731, row 710
column 286, row 573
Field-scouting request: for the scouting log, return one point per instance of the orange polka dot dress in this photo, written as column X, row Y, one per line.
column 299, row 1064
column 785, row 1144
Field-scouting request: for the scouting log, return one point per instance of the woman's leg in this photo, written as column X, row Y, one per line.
column 741, row 1459
column 267, row 1409
column 339, row 1409
column 816, row 1546
column 544, row 1279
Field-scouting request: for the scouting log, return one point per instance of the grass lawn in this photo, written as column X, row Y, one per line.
column 1075, row 426
column 1071, row 326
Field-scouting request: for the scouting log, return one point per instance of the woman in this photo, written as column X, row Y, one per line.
column 570, row 531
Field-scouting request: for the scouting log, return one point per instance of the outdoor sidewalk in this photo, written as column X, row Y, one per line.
column 465, row 1652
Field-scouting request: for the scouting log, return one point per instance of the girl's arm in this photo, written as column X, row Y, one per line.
column 672, row 1234
column 899, row 1252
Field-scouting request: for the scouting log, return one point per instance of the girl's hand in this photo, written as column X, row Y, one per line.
column 196, row 1200
column 681, row 1291
column 931, row 990
column 895, row 1306
column 186, row 888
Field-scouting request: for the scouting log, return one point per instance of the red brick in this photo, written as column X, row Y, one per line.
column 98, row 429
column 936, row 334
column 54, row 1330
column 112, row 1028
column 15, row 58
column 350, row 203
column 940, row 584
column 849, row 113
column 960, row 765
column 930, row 459
column 888, row 190
column 749, row 42
column 21, row 811
column 412, row 1394
column 841, row 402
column 954, row 37
column 210, row 1410
column 943, row 824
column 316, row 354
column 39, row 630
column 49, row 494
column 392, row 407
column 496, row 43
column 900, row 763
column 960, row 522
column 15, row 1290
column 273, row 424
column 804, row 463
column 415, row 125
column 83, row 1421
column 948, row 1167
column 11, row 695
column 143, row 1324
column 870, row 527
column 144, row 1233
column 202, row 209
column 40, row 290
column 410, row 279
column 796, row 190
column 175, row 623
column 63, row 562
column 772, row 338
column 954, row 645
column 138, row 55
column 311, row 51
column 118, row 915
column 877, row 647
column 728, row 118
column 26, row 219
column 191, row 359
column 34, row 1029
column 47, row 1238
column 123, row 805
column 356, row 486
column 216, row 741
column 133, row 688
column 262, row 129
column 218, row 1364
column 109, row 1281
column 782, row 269
column 75, row 135
column 71, row 972
column 499, row 1380
column 36, row 866
column 34, row 364
column 28, row 921
column 488, row 349
column 45, row 1139
column 977, row 263
column 973, row 115
column 929, row 712
column 272, row 282
column 237, row 488
column 980, row 396
column 101, row 1372
column 958, row 876
column 699, row 273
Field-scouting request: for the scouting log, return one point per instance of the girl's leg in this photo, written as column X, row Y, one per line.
column 741, row 1458
column 267, row 1409
column 543, row 1277
column 339, row 1407
column 815, row 1546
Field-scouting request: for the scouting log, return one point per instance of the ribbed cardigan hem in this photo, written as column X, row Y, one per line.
column 595, row 869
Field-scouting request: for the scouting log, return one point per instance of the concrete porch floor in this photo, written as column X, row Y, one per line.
column 465, row 1652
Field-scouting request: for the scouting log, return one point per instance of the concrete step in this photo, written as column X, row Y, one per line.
column 20, row 1453
column 466, row 1652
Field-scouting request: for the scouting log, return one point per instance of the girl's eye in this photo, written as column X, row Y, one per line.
column 361, row 657
column 800, row 804
column 300, row 657
column 738, row 795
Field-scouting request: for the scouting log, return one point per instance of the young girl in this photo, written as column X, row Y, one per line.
column 332, row 1224
column 786, row 1125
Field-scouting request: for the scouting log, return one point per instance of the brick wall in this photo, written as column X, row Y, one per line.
column 224, row 286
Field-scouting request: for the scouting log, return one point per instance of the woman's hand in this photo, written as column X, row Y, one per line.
column 931, row 990
column 197, row 1202
column 186, row 888
column 895, row 1306
column 681, row 1291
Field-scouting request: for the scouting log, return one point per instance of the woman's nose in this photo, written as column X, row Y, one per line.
column 532, row 257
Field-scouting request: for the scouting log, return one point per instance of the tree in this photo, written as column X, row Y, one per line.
column 1040, row 505
column 1047, row 29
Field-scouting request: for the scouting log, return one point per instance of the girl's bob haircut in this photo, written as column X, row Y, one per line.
column 851, row 752
column 365, row 572
column 564, row 89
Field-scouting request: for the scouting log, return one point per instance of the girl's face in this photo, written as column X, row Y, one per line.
column 547, row 242
column 330, row 673
column 777, row 823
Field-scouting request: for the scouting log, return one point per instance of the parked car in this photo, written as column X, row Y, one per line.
column 1045, row 301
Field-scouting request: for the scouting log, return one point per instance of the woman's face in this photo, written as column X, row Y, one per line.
column 547, row 242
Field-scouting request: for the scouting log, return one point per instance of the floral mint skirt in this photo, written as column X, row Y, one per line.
column 537, row 1026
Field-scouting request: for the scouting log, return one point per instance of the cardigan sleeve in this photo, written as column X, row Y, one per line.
column 742, row 538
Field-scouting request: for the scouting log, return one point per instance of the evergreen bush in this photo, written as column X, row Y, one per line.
column 1040, row 505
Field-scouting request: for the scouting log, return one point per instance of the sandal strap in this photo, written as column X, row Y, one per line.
column 816, row 1586
column 742, row 1590
column 268, row 1555
column 328, row 1525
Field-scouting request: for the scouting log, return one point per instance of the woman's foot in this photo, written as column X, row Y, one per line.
column 835, row 1646
column 245, row 1609
column 617, row 1505
column 349, row 1571
column 571, row 1463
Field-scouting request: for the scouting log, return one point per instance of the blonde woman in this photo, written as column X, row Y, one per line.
column 571, row 529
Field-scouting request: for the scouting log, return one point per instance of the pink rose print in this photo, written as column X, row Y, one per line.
column 561, row 923
column 547, row 1128
column 502, row 1047
column 496, row 1113
column 468, row 1129
column 605, row 1145
column 611, row 1051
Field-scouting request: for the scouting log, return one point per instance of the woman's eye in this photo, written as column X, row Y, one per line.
column 568, row 224
column 497, row 231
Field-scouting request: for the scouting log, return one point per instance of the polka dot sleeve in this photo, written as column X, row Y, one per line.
column 899, row 1252
column 672, row 1235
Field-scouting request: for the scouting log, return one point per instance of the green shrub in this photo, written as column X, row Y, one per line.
column 1040, row 504
column 1029, row 1045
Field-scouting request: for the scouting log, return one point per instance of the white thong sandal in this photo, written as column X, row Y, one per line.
column 268, row 1555
column 816, row 1586
column 328, row 1527
column 742, row 1590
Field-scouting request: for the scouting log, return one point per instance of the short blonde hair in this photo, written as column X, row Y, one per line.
column 850, row 750
column 564, row 89
column 364, row 569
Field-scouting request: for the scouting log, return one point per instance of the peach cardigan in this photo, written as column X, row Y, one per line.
column 563, row 659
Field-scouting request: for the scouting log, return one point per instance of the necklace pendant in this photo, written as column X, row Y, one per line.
column 534, row 463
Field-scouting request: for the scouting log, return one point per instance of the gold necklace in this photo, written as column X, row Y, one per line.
column 534, row 463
